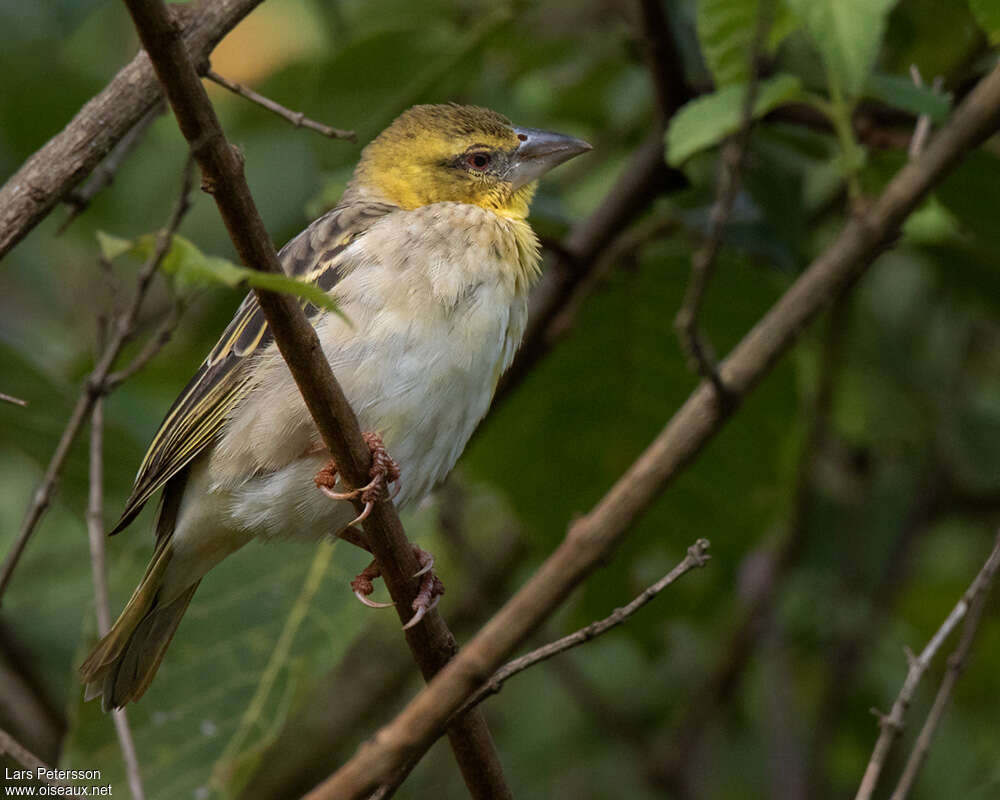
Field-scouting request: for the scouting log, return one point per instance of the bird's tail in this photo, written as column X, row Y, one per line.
column 122, row 665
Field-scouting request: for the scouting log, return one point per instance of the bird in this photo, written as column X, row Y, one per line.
column 430, row 258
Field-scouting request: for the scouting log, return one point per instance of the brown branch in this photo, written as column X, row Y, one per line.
column 95, row 385
column 222, row 169
column 104, row 174
column 68, row 157
column 95, row 536
column 591, row 538
column 956, row 664
column 297, row 118
column 694, row 341
column 892, row 724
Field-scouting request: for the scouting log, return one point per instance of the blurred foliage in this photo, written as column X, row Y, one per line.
column 901, row 496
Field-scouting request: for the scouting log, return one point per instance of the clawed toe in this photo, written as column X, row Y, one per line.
column 384, row 472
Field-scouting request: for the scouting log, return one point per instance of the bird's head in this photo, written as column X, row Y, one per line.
column 464, row 154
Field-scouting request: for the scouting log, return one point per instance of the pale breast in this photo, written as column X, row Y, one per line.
column 437, row 307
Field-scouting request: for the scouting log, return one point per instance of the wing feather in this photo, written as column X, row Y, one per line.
column 224, row 379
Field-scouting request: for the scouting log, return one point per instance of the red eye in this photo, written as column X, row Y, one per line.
column 479, row 161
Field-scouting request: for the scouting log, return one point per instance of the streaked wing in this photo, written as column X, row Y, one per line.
column 224, row 378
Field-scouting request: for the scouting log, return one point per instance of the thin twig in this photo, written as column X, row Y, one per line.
column 9, row 398
column 95, row 535
column 431, row 643
column 956, row 664
column 104, row 173
column 23, row 756
column 697, row 556
column 297, row 118
column 694, row 341
column 591, row 539
column 892, row 724
column 94, row 386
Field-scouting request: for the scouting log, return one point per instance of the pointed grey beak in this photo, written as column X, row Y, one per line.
column 540, row 151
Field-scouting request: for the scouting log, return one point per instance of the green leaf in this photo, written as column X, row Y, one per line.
column 708, row 120
column 987, row 14
column 901, row 92
column 112, row 246
column 190, row 266
column 726, row 31
column 292, row 286
column 847, row 33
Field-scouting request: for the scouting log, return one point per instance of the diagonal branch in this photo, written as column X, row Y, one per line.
column 591, row 538
column 68, row 157
column 431, row 643
column 697, row 556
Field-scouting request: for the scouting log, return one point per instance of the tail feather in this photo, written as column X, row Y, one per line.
column 122, row 665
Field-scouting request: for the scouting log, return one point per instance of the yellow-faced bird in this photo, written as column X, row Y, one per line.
column 430, row 258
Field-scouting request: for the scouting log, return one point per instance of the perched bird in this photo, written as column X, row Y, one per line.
column 430, row 258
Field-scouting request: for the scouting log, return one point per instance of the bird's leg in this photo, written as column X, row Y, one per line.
column 384, row 471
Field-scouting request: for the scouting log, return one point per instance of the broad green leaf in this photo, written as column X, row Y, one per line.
column 847, row 33
column 901, row 93
column 726, row 31
column 708, row 120
column 987, row 14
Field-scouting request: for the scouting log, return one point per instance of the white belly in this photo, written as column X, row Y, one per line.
column 419, row 362
column 422, row 387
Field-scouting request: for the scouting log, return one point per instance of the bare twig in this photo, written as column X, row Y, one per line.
column 297, row 118
column 592, row 537
column 430, row 642
column 892, row 724
column 956, row 664
column 95, row 385
column 104, row 173
column 9, row 398
column 23, row 756
column 67, row 158
column 95, row 535
column 694, row 341
column 697, row 556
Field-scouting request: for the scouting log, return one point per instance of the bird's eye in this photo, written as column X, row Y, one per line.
column 478, row 161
